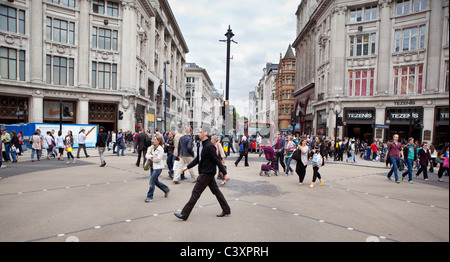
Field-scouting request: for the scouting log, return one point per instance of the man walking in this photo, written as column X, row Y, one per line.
column 279, row 150
column 82, row 143
column 140, row 144
column 207, row 160
column 102, row 139
column 185, row 154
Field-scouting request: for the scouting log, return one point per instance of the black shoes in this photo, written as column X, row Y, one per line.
column 180, row 216
column 224, row 214
column 103, row 164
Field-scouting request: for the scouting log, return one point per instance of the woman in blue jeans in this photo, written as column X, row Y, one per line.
column 156, row 153
column 394, row 153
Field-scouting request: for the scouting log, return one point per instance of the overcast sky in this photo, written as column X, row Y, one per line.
column 262, row 28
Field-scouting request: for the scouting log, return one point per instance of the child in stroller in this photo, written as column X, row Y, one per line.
column 272, row 165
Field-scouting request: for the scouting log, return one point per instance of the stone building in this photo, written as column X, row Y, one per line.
column 99, row 56
column 381, row 65
column 285, row 85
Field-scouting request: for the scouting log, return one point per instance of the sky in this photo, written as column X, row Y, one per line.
column 263, row 29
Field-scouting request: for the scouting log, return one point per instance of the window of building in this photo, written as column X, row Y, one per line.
column 408, row 80
column 112, row 8
column 12, row 19
column 403, row 7
column 12, row 64
column 68, row 3
column 104, row 76
column 406, row 6
column 104, row 38
column 410, row 39
column 60, row 70
column 368, row 13
column 371, row 13
column 419, row 5
column 363, row 45
column 361, row 82
column 356, row 15
column 60, row 31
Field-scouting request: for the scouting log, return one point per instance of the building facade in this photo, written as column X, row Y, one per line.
column 381, row 65
column 285, row 86
column 203, row 100
column 99, row 56
column 263, row 105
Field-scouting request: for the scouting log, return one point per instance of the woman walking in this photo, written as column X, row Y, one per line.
column 445, row 162
column 424, row 157
column 300, row 168
column 434, row 154
column 222, row 156
column 317, row 161
column 36, row 146
column 60, row 145
column 156, row 153
column 69, row 146
column 289, row 149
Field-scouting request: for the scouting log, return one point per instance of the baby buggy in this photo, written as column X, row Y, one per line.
column 272, row 165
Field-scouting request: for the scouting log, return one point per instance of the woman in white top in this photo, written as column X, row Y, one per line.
column 221, row 153
column 156, row 153
column 60, row 145
column 300, row 168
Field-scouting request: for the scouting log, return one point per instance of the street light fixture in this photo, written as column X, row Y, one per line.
column 165, row 94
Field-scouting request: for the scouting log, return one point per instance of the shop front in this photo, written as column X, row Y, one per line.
column 441, row 126
column 52, row 109
column 360, row 123
column 103, row 115
column 403, row 121
column 13, row 110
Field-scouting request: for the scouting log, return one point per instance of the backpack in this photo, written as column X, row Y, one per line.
column 241, row 148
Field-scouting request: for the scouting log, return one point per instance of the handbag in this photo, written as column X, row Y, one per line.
column 148, row 164
column 297, row 155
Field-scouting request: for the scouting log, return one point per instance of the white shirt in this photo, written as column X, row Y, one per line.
column 81, row 138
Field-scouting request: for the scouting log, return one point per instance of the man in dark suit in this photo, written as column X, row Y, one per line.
column 207, row 160
column 140, row 144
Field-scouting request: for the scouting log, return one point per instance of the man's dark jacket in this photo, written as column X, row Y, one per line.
column 209, row 161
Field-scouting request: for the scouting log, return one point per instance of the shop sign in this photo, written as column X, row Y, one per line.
column 359, row 116
column 404, row 115
column 405, row 103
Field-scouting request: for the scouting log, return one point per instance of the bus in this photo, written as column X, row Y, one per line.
column 264, row 129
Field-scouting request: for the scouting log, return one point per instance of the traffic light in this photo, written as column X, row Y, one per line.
column 339, row 121
column 417, row 124
column 120, row 115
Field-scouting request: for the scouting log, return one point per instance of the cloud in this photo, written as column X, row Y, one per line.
column 263, row 29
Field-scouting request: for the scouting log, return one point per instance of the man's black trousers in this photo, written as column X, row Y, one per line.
column 204, row 181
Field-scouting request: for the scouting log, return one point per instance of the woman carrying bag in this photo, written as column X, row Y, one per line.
column 156, row 153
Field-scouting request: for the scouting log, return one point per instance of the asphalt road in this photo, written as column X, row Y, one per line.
column 51, row 201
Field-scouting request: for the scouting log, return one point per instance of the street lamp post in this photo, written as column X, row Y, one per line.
column 165, row 94
column 229, row 35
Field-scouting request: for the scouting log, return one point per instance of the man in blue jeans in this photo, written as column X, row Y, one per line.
column 394, row 153
column 410, row 154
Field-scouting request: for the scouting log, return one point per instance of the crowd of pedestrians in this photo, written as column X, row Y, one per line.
column 403, row 155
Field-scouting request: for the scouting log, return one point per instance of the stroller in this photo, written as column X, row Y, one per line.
column 272, row 165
